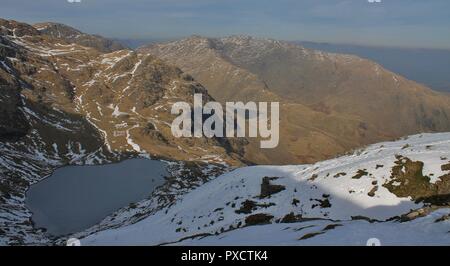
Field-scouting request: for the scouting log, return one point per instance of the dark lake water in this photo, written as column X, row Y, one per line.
column 75, row 198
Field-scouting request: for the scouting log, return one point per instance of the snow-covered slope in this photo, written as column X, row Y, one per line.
column 360, row 191
column 422, row 231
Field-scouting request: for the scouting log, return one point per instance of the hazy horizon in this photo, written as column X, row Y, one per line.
column 390, row 23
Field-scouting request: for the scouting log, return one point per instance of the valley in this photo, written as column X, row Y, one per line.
column 360, row 146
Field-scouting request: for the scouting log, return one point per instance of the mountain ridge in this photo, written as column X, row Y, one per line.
column 73, row 35
column 356, row 101
column 67, row 104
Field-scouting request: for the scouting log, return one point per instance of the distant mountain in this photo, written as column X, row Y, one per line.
column 396, row 191
column 427, row 66
column 136, row 43
column 72, row 35
column 330, row 103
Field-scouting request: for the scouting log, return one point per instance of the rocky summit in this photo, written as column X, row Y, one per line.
column 72, row 35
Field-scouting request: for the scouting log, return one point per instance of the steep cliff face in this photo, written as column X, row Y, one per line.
column 124, row 95
column 63, row 103
column 330, row 103
column 14, row 124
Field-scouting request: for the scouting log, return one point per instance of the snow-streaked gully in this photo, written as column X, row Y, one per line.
column 237, row 114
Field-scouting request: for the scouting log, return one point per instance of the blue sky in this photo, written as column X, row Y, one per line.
column 406, row 23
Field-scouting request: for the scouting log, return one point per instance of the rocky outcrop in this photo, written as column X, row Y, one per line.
column 268, row 189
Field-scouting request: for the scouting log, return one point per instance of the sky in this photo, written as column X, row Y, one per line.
column 400, row 23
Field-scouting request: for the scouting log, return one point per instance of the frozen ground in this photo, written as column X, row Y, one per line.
column 336, row 191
